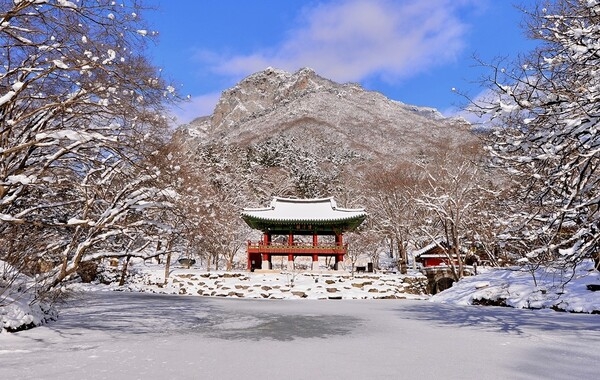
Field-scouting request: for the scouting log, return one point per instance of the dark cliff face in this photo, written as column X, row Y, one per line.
column 322, row 115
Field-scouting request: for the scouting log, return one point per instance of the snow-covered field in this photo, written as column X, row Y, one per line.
column 512, row 287
column 17, row 310
column 127, row 335
column 313, row 325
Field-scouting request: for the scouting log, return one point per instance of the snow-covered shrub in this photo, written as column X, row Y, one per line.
column 19, row 308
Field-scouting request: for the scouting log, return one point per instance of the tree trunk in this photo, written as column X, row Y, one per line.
column 168, row 260
column 167, row 267
column 124, row 271
column 596, row 258
column 402, row 257
column 229, row 264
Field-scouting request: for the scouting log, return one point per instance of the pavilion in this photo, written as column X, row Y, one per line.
column 288, row 218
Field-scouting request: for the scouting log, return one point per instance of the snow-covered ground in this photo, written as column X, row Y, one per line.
column 18, row 306
column 563, row 290
column 128, row 335
column 17, row 309
column 510, row 287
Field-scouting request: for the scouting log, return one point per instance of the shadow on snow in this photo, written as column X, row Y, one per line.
column 121, row 314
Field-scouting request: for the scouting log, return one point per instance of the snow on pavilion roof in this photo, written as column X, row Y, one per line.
column 305, row 211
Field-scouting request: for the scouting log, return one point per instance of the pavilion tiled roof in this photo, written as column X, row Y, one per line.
column 307, row 211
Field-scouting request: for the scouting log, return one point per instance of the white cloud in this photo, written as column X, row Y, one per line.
column 474, row 109
column 201, row 105
column 356, row 39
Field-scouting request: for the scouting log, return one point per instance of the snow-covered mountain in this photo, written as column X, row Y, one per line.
column 311, row 110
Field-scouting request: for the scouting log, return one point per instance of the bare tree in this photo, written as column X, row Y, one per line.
column 456, row 202
column 224, row 231
column 79, row 111
column 360, row 244
column 392, row 206
column 213, row 190
column 546, row 112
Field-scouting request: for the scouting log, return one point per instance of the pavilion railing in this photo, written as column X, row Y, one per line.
column 297, row 249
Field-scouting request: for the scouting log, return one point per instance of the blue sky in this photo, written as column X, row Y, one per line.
column 414, row 51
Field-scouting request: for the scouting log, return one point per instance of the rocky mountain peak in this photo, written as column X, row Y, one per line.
column 264, row 90
column 307, row 110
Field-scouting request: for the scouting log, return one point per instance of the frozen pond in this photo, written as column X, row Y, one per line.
column 106, row 335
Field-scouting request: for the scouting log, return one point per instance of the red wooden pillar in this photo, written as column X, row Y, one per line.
column 315, row 256
column 267, row 238
column 266, row 261
column 249, row 266
column 290, row 263
column 339, row 241
column 266, row 257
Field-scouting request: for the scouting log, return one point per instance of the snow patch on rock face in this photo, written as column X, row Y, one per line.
column 17, row 315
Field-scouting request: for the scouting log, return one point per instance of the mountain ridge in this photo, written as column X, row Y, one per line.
column 311, row 109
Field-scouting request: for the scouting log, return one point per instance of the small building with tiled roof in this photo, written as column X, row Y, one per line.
column 291, row 217
column 433, row 254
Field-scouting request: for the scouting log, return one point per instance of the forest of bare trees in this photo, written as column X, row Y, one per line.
column 90, row 169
